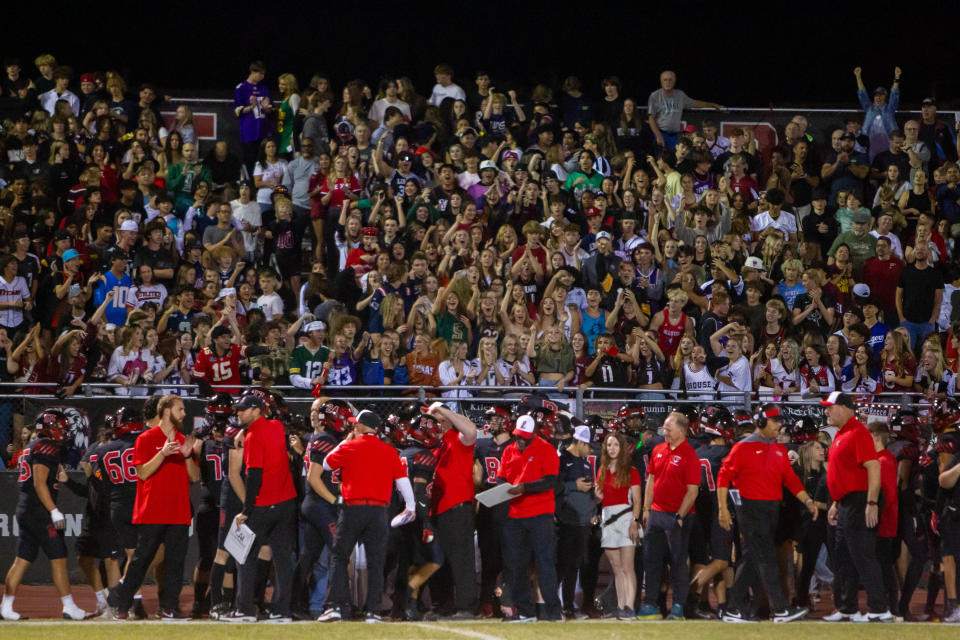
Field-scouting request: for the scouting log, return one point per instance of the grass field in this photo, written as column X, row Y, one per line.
column 476, row 630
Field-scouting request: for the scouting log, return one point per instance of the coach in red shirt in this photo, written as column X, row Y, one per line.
column 673, row 481
column 165, row 468
column 269, row 508
column 533, row 466
column 451, row 504
column 853, row 479
column 369, row 470
column 759, row 467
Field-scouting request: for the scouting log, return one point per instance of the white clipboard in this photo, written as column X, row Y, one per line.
column 239, row 541
column 496, row 495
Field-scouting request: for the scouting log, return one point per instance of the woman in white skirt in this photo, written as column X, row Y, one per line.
column 618, row 490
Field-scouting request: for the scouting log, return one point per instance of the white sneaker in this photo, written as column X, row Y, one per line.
column 838, row 616
column 330, row 615
column 954, row 617
column 238, row 618
column 9, row 614
column 74, row 613
column 886, row 616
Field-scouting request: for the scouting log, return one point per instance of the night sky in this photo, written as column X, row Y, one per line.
column 794, row 53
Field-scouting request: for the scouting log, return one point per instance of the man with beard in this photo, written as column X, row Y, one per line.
column 846, row 170
column 165, row 467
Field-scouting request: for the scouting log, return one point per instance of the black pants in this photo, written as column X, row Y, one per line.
column 758, row 525
column 914, row 537
column 366, row 524
column 250, row 151
column 174, row 538
column 524, row 538
column 274, row 527
column 318, row 520
column 571, row 555
column 856, row 557
column 663, row 537
column 887, row 549
column 455, row 535
column 490, row 523
column 812, row 537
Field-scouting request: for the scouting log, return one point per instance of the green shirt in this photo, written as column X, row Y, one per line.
column 549, row 360
column 308, row 365
column 592, row 182
column 449, row 327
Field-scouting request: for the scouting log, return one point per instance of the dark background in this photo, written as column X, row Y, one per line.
column 785, row 53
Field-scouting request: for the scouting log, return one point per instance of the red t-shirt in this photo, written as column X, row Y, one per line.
column 164, row 497
column 338, row 186
column 614, row 495
column 368, row 468
column 888, row 487
column 265, row 447
column 882, row 276
column 672, row 471
column 538, row 460
column 852, row 446
column 220, row 370
column 539, row 253
column 453, row 477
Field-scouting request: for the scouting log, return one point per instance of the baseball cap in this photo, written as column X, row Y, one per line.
column 116, row 253
column 928, row 102
column 21, row 233
column 468, row 131
column 819, row 194
column 371, row 231
column 582, row 433
column 62, row 234
column 525, row 427
column 604, row 234
column 840, row 398
column 511, row 154
column 592, row 211
column 219, row 331
column 316, row 325
column 406, row 156
column 75, row 290
column 226, row 291
column 861, row 290
column 70, row 254
column 690, row 128
column 129, row 225
column 249, row 400
column 367, row 418
column 754, row 262
column 488, row 164
column 880, row 91
column 861, row 217
column 88, row 77
column 848, row 136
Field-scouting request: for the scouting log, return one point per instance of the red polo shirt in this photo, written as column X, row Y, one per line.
column 759, row 469
column 538, row 460
column 368, row 469
column 265, row 447
column 453, row 477
column 888, row 487
column 672, row 471
column 164, row 497
column 852, row 446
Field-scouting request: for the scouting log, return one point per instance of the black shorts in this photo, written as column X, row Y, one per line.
column 950, row 534
column 98, row 539
column 289, row 265
column 721, row 542
column 699, row 536
column 207, row 526
column 121, row 515
column 37, row 532
column 227, row 514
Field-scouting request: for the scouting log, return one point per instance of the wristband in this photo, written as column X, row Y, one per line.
column 871, row 503
column 55, row 515
column 809, row 500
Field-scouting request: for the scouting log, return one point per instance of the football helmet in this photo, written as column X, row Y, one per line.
column 129, row 420
column 946, row 413
column 804, row 429
column 334, row 415
column 497, row 420
column 906, row 425
column 630, row 420
column 51, row 425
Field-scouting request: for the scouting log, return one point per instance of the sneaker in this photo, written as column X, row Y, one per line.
column 790, row 614
column 954, row 616
column 237, row 617
column 412, row 611
column 676, row 612
column 734, row 616
column 519, row 618
column 649, row 612
column 626, row 614
column 74, row 613
column 460, row 615
column 704, row 612
column 219, row 610
column 372, row 618
column 886, row 616
column 278, row 618
column 330, row 615
column 839, row 616
column 9, row 614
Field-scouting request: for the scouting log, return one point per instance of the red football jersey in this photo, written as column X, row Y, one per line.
column 220, row 370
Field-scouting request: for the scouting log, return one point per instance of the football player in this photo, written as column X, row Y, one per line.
column 490, row 520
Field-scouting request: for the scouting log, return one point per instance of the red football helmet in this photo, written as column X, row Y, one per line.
column 630, row 420
column 128, row 421
column 804, row 429
column 334, row 415
column 546, row 421
column 946, row 413
column 497, row 421
column 715, row 420
column 52, row 425
column 419, row 426
column 906, row 425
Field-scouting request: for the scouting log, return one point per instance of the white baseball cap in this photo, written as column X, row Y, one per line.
column 526, row 426
column 754, row 263
column 316, row 325
column 129, row 225
column 582, row 433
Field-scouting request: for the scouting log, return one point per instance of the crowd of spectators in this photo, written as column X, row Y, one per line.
column 371, row 235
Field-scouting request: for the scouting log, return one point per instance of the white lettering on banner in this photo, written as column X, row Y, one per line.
column 10, row 528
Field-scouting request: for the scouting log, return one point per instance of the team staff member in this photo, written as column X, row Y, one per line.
column 759, row 467
column 451, row 504
column 369, row 468
column 269, row 508
column 165, row 467
column 673, row 481
column 853, row 478
column 533, row 465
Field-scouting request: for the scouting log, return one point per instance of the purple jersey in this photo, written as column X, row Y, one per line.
column 253, row 124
